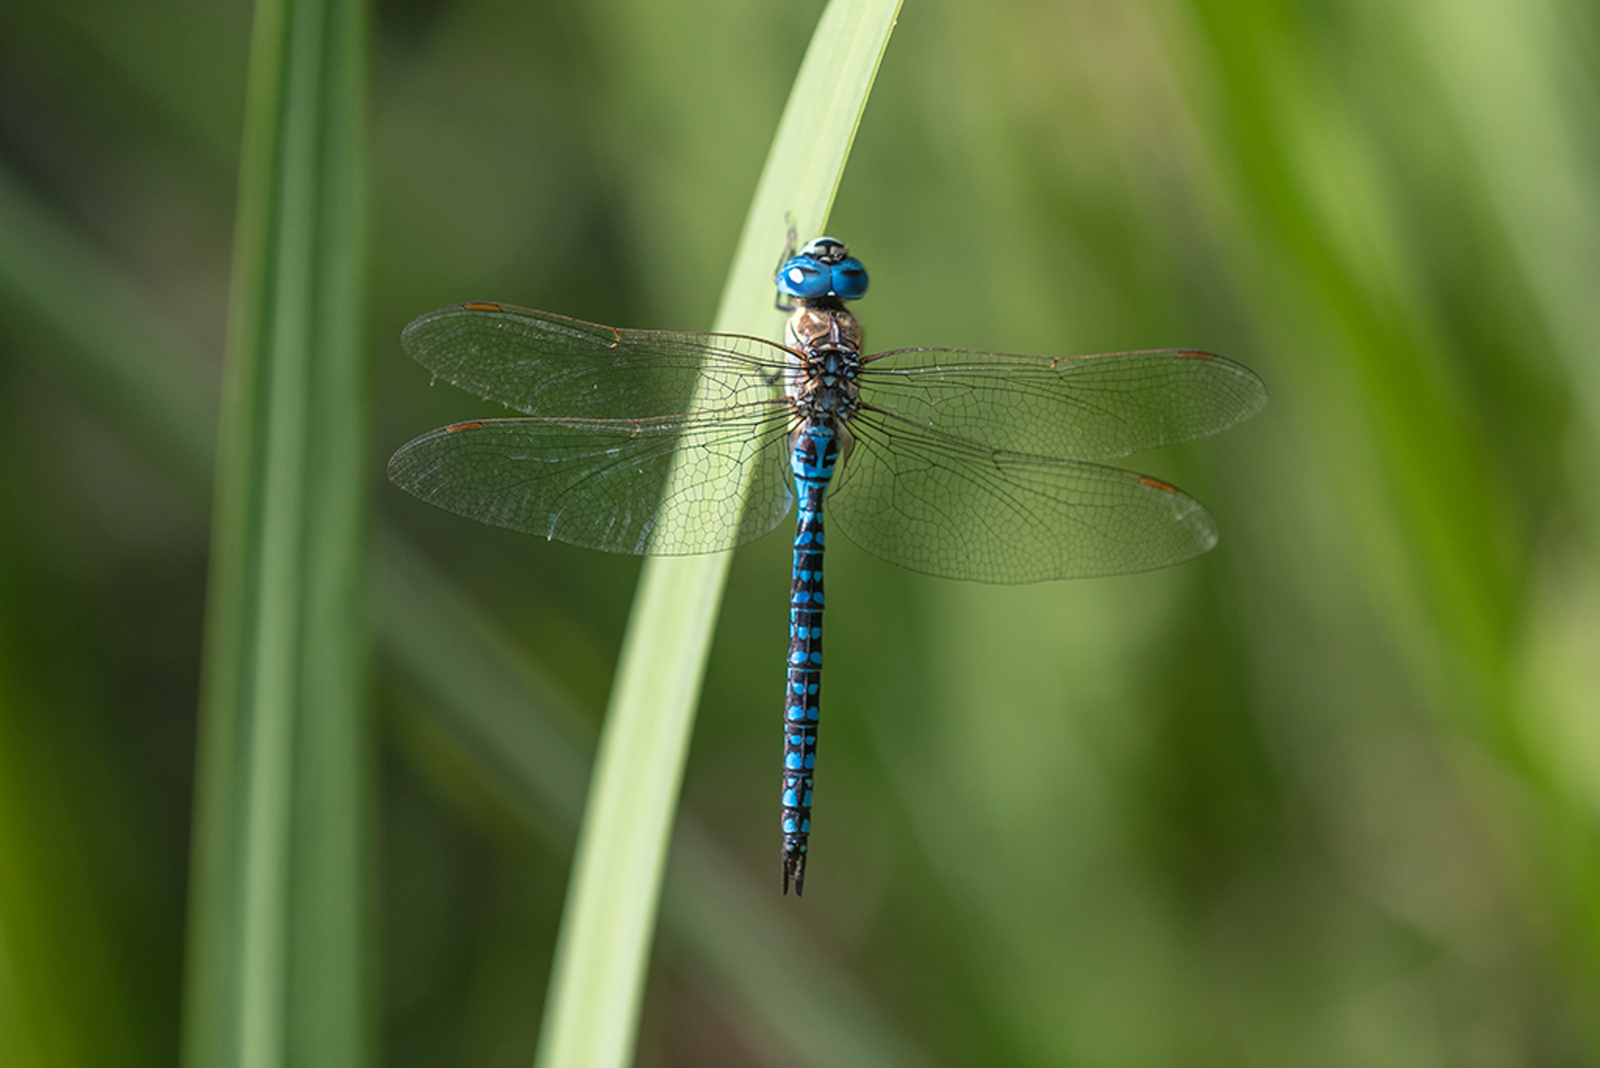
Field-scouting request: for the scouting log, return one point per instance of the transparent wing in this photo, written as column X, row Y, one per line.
column 948, row 507
column 601, row 483
column 544, row 364
column 1079, row 408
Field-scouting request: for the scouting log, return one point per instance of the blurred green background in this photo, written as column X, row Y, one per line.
column 1327, row 796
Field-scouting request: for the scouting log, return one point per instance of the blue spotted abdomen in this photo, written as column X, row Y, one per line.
column 815, row 451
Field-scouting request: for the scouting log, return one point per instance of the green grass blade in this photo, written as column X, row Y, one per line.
column 274, row 972
column 592, row 1012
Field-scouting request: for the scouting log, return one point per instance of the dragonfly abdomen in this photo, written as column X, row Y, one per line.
column 812, row 460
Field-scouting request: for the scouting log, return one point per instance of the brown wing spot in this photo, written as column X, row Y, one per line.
column 1194, row 354
column 1153, row 483
column 482, row 305
column 473, row 425
column 616, row 337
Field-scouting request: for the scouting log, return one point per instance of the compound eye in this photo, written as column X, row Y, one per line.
column 803, row 278
column 849, row 279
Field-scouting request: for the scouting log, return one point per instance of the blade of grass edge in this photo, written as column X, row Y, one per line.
column 275, row 970
column 591, row 1015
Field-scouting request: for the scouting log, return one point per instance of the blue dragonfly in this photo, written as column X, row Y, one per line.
column 956, row 463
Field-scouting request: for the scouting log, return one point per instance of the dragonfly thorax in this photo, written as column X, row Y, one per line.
column 824, row 342
column 823, row 324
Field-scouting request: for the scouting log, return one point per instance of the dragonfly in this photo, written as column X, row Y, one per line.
column 953, row 462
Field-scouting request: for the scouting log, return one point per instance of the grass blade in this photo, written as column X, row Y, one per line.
column 592, row 1013
column 274, row 970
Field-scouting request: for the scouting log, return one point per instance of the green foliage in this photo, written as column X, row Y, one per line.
column 1325, row 796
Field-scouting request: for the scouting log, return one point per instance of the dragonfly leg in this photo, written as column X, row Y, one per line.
column 783, row 303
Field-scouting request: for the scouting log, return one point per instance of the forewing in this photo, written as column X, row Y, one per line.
column 550, row 365
column 601, row 484
column 947, row 507
column 1078, row 408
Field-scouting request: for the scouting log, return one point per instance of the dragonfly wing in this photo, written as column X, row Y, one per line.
column 949, row 507
column 545, row 364
column 1082, row 408
column 602, row 484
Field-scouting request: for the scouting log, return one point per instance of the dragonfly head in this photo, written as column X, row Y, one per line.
column 822, row 269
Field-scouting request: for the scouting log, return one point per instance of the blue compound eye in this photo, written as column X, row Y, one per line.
column 804, row 278
column 849, row 279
